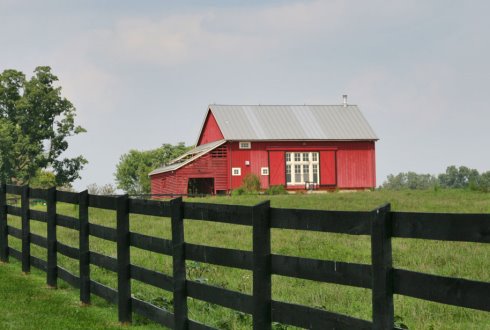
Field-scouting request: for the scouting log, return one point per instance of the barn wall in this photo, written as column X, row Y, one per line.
column 204, row 167
column 343, row 165
column 238, row 159
column 328, row 168
column 211, row 131
column 356, row 165
column 277, row 168
column 257, row 158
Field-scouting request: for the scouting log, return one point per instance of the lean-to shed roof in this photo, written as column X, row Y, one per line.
column 188, row 157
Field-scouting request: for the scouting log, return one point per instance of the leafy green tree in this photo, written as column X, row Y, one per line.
column 35, row 122
column 107, row 189
column 454, row 178
column 395, row 182
column 484, row 182
column 409, row 180
column 133, row 168
column 43, row 179
column 461, row 177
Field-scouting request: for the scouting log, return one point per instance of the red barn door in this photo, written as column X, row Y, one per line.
column 277, row 168
column 328, row 170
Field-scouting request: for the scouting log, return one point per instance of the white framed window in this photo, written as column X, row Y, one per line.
column 244, row 145
column 288, row 173
column 264, row 170
column 297, row 173
column 236, row 171
column 302, row 168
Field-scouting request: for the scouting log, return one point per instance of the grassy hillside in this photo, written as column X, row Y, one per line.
column 27, row 303
column 465, row 260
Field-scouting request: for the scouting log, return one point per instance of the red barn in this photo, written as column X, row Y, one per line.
column 297, row 146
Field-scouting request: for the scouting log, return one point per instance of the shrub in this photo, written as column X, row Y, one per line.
column 251, row 183
column 238, row 192
column 276, row 190
column 250, row 186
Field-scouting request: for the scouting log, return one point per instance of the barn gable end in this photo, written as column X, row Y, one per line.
column 210, row 131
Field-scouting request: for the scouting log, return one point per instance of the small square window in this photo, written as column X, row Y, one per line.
column 236, row 171
column 264, row 171
column 245, row 145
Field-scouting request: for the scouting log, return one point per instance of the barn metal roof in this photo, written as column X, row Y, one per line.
column 188, row 157
column 292, row 122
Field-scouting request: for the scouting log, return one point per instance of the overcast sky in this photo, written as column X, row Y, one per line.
column 141, row 73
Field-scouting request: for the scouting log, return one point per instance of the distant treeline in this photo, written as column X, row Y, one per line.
column 455, row 177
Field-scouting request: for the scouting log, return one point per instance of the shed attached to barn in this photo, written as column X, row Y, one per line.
column 297, row 146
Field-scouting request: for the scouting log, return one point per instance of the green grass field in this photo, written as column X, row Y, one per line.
column 456, row 259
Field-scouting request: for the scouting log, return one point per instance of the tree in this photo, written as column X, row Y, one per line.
column 133, row 168
column 107, row 189
column 409, row 180
column 35, row 122
column 484, row 182
column 454, row 178
column 461, row 177
column 43, row 179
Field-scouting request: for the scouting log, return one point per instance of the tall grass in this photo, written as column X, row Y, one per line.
column 456, row 259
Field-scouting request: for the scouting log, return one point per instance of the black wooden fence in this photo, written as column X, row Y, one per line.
column 381, row 224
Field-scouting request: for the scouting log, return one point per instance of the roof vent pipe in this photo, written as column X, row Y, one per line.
column 345, row 99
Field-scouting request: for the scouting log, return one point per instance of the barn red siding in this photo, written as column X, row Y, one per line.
column 355, row 164
column 277, row 168
column 206, row 166
column 258, row 159
column 238, row 159
column 343, row 165
column 328, row 168
column 211, row 131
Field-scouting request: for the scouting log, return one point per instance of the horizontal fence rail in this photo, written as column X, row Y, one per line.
column 380, row 276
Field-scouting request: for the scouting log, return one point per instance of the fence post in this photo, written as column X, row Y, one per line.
column 52, row 271
column 4, row 235
column 84, row 257
column 382, row 273
column 178, row 261
column 262, row 286
column 26, row 229
column 123, row 260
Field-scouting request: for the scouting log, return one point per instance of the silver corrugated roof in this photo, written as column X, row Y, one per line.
column 292, row 122
column 188, row 157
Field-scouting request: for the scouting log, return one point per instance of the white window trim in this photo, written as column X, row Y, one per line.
column 244, row 145
column 301, row 163
column 264, row 170
column 238, row 171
